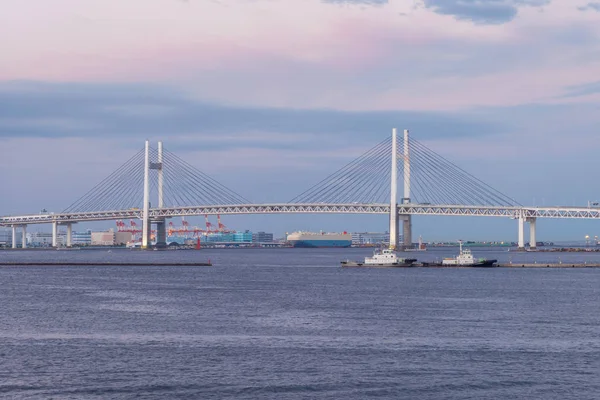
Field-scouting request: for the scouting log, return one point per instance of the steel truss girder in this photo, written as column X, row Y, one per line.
column 274, row 209
column 316, row 208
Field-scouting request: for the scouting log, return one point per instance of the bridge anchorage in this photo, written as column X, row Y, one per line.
column 367, row 185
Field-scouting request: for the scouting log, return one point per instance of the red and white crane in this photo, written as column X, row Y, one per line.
column 132, row 228
column 208, row 224
column 222, row 228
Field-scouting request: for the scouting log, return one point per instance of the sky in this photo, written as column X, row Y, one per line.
column 269, row 97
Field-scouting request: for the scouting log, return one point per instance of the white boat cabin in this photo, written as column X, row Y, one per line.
column 465, row 257
column 385, row 256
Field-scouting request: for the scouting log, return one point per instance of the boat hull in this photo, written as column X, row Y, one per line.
column 406, row 263
column 312, row 244
column 486, row 263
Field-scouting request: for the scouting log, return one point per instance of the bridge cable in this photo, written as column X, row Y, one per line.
column 99, row 193
column 332, row 185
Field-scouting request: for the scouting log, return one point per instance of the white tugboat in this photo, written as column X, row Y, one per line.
column 464, row 259
column 381, row 258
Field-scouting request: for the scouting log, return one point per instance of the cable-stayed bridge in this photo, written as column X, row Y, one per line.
column 155, row 185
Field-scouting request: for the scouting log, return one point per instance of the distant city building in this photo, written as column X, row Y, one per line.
column 44, row 239
column 227, row 237
column 81, row 238
column 242, row 237
column 217, row 237
column 103, row 238
column 110, row 238
column 6, row 237
column 262, row 237
column 371, row 238
column 122, row 238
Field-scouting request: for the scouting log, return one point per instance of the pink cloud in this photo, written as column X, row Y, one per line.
column 264, row 53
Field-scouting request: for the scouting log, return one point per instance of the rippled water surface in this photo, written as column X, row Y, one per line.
column 292, row 324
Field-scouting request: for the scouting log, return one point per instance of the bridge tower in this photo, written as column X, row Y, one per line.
column 394, row 217
column 146, row 203
column 393, row 194
column 407, row 219
column 161, row 227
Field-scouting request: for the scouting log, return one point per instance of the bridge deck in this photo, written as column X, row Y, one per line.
column 286, row 208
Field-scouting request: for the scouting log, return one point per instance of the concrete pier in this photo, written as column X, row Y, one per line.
column 549, row 265
column 100, row 264
column 55, row 234
column 69, row 234
column 407, row 231
column 521, row 241
column 161, row 233
column 532, row 239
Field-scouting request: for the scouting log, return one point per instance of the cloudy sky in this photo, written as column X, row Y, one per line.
column 270, row 96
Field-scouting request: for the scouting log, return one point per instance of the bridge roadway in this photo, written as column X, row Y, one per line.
column 317, row 208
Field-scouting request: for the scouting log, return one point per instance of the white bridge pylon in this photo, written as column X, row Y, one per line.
column 394, row 217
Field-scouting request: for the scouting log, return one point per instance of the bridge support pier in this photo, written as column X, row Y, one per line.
column 69, row 234
column 394, row 229
column 24, row 232
column 161, row 233
column 532, row 238
column 55, row 234
column 521, row 242
column 407, row 231
column 14, row 236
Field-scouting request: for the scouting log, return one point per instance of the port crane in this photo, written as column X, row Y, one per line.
column 185, row 230
column 132, row 228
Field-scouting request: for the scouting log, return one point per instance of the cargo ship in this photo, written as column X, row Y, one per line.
column 319, row 239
